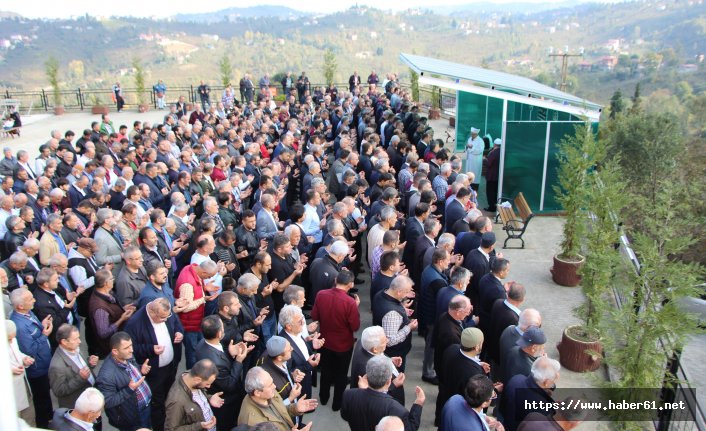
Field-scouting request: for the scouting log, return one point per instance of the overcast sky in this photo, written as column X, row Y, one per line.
column 66, row 8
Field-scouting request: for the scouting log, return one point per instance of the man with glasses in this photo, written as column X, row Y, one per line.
column 156, row 338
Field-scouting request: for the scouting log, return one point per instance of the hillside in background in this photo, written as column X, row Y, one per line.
column 656, row 43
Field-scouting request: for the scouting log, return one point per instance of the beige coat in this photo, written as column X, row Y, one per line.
column 252, row 414
column 48, row 247
column 19, row 383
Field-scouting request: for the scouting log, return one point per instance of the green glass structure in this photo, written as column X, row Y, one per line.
column 530, row 118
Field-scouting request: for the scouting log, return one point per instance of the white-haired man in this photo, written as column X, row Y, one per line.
column 86, row 411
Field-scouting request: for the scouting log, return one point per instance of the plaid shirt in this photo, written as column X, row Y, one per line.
column 200, row 399
column 143, row 392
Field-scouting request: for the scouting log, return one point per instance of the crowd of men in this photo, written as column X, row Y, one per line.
column 239, row 237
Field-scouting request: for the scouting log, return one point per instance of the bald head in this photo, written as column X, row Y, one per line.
column 529, row 317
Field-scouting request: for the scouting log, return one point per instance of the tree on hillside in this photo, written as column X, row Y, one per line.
column 226, row 70
column 139, row 80
column 617, row 104
column 329, row 66
column 635, row 108
column 52, row 70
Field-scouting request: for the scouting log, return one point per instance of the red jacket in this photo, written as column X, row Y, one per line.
column 338, row 317
column 191, row 320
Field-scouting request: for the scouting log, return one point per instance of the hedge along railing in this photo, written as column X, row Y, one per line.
column 692, row 418
column 82, row 98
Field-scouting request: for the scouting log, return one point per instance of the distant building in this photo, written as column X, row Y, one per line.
column 688, row 68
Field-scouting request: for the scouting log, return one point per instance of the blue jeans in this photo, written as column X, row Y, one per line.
column 191, row 339
column 269, row 327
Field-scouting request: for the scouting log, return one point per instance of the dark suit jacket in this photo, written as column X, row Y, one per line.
column 508, row 340
column 66, row 383
column 363, row 409
column 466, row 242
column 512, row 404
column 453, row 213
column 230, row 375
column 501, row 317
column 144, row 339
column 423, row 243
column 75, row 196
column 489, row 289
column 413, row 231
column 457, row 370
column 515, row 362
column 359, row 361
column 300, row 362
column 447, row 331
column 479, row 266
column 46, row 305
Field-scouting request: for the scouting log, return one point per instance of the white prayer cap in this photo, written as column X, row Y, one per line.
column 474, row 130
column 498, row 141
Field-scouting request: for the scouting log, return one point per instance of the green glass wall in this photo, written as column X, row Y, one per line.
column 482, row 112
column 524, row 160
column 525, row 143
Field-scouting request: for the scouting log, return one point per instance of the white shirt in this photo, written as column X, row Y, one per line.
column 301, row 344
column 216, row 346
column 80, row 363
column 3, row 218
column 512, row 307
column 163, row 339
column 83, row 424
column 216, row 279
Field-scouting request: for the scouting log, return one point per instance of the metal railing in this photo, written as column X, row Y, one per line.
column 692, row 418
column 83, row 98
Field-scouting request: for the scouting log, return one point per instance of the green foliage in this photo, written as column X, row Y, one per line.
column 139, row 80
column 636, row 100
column 697, row 118
column 684, row 91
column 605, row 198
column 51, row 67
column 617, row 104
column 652, row 311
column 576, row 156
column 435, row 97
column 329, row 68
column 96, row 99
column 226, row 69
column 649, row 146
column 277, row 78
column 414, row 84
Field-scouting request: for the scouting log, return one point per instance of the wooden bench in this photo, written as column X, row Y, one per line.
column 10, row 133
column 515, row 224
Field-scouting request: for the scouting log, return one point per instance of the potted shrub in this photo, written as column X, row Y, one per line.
column 97, row 105
column 435, row 110
column 581, row 347
column 52, row 71
column 575, row 159
column 142, row 105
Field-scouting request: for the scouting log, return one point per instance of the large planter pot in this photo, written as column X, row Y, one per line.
column 99, row 110
column 565, row 272
column 580, row 351
column 434, row 113
column 59, row 110
column 143, row 107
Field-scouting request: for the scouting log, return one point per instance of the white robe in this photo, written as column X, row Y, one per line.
column 474, row 157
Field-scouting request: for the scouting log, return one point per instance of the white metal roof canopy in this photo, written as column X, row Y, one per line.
column 499, row 85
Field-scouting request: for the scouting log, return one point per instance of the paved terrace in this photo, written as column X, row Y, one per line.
column 529, row 266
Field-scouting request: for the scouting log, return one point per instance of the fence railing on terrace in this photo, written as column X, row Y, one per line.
column 81, row 98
